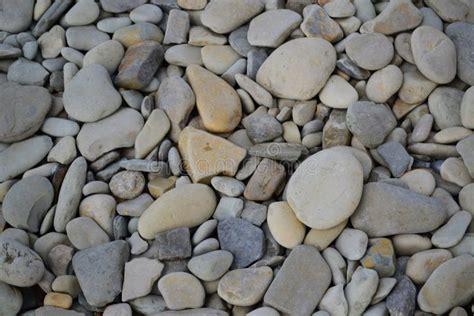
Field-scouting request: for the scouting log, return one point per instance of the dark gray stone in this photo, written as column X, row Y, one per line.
column 255, row 59
column 166, row 5
column 396, row 157
column 99, row 271
column 119, row 6
column 244, row 240
column 462, row 35
column 402, row 300
column 238, row 41
column 262, row 128
column 139, row 65
column 120, row 227
column 466, row 149
column 174, row 244
column 370, row 122
column 51, row 16
column 348, row 67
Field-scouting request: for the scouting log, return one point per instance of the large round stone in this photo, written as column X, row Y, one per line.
column 326, row 188
column 298, row 69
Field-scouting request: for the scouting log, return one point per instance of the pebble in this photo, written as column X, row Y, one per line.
column 115, row 131
column 16, row 17
column 384, row 83
column 174, row 244
column 183, row 55
column 99, row 271
column 386, row 285
column 395, row 157
column 287, row 230
column 219, row 106
column 301, row 282
column 452, row 12
column 24, row 267
column 60, row 300
column 146, row 13
column 352, row 243
column 381, row 257
column 108, row 54
column 90, row 95
column 120, row 5
column 11, row 299
column 448, row 286
column 155, row 129
column 465, row 197
column 196, row 145
column 121, row 309
column 337, row 264
column 402, row 299
column 254, row 212
column 370, row 122
column 177, row 27
column 465, row 149
column 451, row 233
column 419, row 213
column 264, row 311
column 28, row 213
column 415, row 88
column 112, row 24
column 322, row 238
column 422, row 264
column 83, row 233
column 52, row 42
column 85, row 37
column 140, row 274
column 238, row 41
column 26, row 72
column 467, row 109
column 262, row 128
column 340, row 172
column 460, row 34
column 360, row 290
column 245, row 287
column 70, row 194
column 82, row 13
column 260, row 95
column 244, row 240
column 177, row 99
column 59, row 127
column 289, row 72
column 202, row 36
column 338, row 93
column 224, row 16
column 137, row 34
column 420, row 181
column 303, row 112
column 218, row 58
column 228, row 186
column 137, row 244
column 361, row 50
column 454, row 170
column 265, row 181
column 190, row 210
column 210, row 266
column 317, row 23
column 271, row 28
column 181, row 290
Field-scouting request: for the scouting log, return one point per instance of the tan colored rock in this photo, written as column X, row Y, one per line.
column 205, row 155
column 188, row 205
column 58, row 300
column 322, row 238
column 217, row 102
column 158, row 186
column 218, row 58
column 420, row 181
column 287, row 230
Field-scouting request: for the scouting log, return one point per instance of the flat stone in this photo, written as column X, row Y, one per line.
column 445, row 106
column 115, row 131
column 381, row 257
column 99, row 271
column 402, row 299
column 8, row 51
column 155, row 129
column 384, row 83
column 465, row 148
column 262, row 128
column 245, row 287
column 338, row 93
column 371, row 51
column 50, row 15
column 254, row 212
column 325, row 208
column 11, row 299
column 271, row 28
column 454, row 170
column 335, row 131
column 183, row 55
column 278, row 151
column 239, row 42
column 244, row 240
column 218, row 58
column 398, row 16
column 52, row 42
column 451, row 233
column 108, row 54
column 83, row 232
column 415, row 88
column 16, row 17
column 258, row 94
column 146, row 13
column 348, row 67
column 396, row 157
column 138, row 33
column 289, row 72
column 211, row 266
column 228, row 186
column 26, row 72
column 360, row 289
column 139, row 64
column 217, row 102
column 90, row 95
column 196, row 145
column 112, row 24
column 449, row 12
column 139, row 276
column 224, row 16
column 386, row 285
column 287, row 230
column 101, row 208
column 370, row 122
column 434, row 54
column 181, row 290
column 70, row 194
column 418, row 214
column 352, row 243
column 301, row 282
column 120, row 6
column 174, row 244
column 265, row 181
column 59, row 127
column 448, row 286
column 462, row 36
column 317, row 23
column 177, row 27
column 82, row 13
column 422, row 264
column 85, row 37
column 420, row 181
column 22, row 111
column 122, row 309
column 177, row 99
column 28, row 213
column 202, row 36
column 21, row 266
column 467, row 109
column 190, row 205
column 322, row 238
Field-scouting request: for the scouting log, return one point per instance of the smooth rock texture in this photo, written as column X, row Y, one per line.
column 289, row 72
column 462, row 36
column 211, row 266
column 287, row 230
column 331, row 172
column 409, row 212
column 338, row 93
column 271, row 28
column 371, row 51
column 181, row 290
column 155, row 129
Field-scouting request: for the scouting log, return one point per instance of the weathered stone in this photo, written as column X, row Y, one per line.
column 174, row 244
column 181, row 290
column 461, row 33
column 317, row 23
column 265, row 181
column 381, row 257
column 371, row 51
column 402, row 299
column 139, row 276
column 271, row 28
column 360, row 290
column 138, row 33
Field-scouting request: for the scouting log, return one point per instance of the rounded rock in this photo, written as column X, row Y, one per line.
column 287, row 230
column 127, row 184
column 181, row 290
column 211, row 266
column 384, row 83
column 371, row 51
column 338, row 93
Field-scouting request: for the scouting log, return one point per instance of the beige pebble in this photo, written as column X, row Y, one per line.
column 287, row 230
column 420, row 181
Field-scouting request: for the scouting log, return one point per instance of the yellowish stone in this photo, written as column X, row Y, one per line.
column 287, row 230
column 58, row 300
column 217, row 102
column 206, row 155
column 188, row 205
column 158, row 186
column 322, row 238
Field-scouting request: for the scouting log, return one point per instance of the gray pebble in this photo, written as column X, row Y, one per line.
column 174, row 244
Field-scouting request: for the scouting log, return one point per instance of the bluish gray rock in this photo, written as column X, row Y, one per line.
column 396, row 157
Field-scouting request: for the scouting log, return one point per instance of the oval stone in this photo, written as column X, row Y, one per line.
column 185, row 206
column 298, row 69
column 326, row 188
